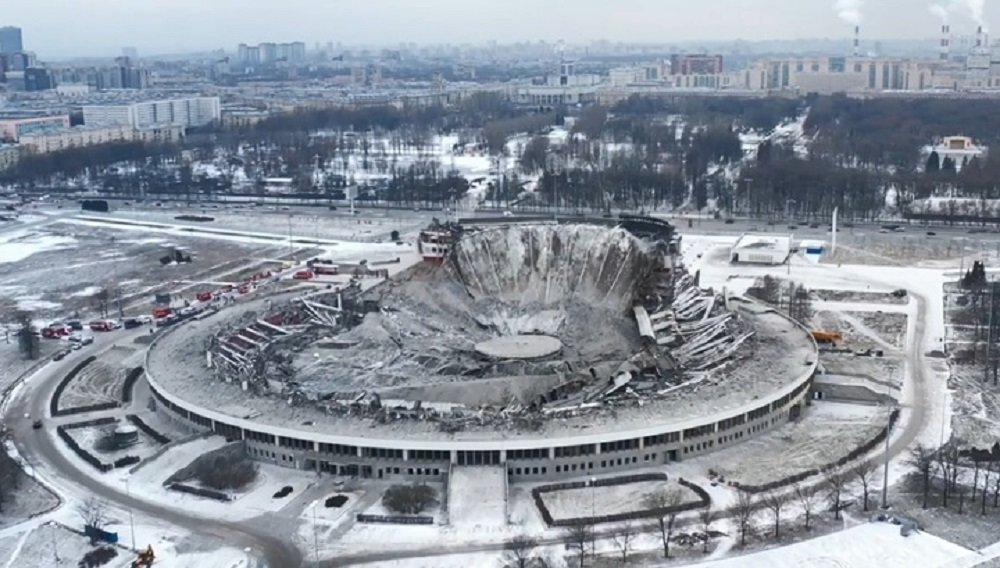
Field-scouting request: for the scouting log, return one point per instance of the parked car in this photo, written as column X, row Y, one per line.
column 86, row 340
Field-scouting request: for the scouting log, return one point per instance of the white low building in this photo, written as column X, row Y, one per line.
column 761, row 249
column 960, row 149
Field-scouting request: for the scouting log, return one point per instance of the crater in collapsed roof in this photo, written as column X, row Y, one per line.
column 524, row 320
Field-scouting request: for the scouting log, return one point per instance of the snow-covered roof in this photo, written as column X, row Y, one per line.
column 776, row 243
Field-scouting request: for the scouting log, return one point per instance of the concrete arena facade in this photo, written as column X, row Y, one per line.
column 525, row 459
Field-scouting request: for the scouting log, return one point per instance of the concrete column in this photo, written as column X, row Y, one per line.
column 642, row 443
column 454, row 456
column 503, row 456
column 361, row 452
column 552, row 453
column 406, row 455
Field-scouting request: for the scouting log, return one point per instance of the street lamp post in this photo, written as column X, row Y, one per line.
column 131, row 519
column 593, row 516
column 55, row 550
column 885, row 467
column 315, row 534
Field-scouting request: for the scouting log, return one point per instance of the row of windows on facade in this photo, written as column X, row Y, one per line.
column 491, row 456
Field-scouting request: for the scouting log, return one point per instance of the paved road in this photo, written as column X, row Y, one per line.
column 40, row 447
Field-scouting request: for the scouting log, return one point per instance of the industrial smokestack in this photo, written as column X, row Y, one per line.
column 945, row 42
column 857, row 41
column 979, row 36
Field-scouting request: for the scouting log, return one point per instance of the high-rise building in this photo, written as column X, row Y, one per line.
column 21, row 60
column 268, row 52
column 38, row 79
column 10, row 39
column 186, row 112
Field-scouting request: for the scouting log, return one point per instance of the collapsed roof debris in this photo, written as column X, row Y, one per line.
column 633, row 327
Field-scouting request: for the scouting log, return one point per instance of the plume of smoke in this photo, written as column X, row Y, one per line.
column 972, row 8
column 850, row 10
column 975, row 9
column 939, row 11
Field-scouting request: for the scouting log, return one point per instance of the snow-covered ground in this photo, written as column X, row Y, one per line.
column 476, row 497
column 21, row 244
column 864, row 546
column 605, row 500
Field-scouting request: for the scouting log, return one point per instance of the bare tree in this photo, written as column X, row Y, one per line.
column 986, row 486
column 864, row 472
column 94, row 512
column 27, row 340
column 520, row 550
column 948, row 462
column 10, row 479
column 579, row 536
column 808, row 498
column 707, row 516
column 977, row 457
column 775, row 501
column 922, row 459
column 835, row 482
column 744, row 511
column 667, row 501
column 624, row 538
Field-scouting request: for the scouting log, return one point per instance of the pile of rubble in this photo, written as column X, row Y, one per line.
column 404, row 350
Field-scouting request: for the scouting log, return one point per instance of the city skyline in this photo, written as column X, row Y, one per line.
column 57, row 28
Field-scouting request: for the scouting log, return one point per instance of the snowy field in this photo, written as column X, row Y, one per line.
column 52, row 545
column 476, row 497
column 60, row 263
column 912, row 249
column 369, row 226
column 606, row 500
column 827, row 432
column 102, row 380
column 864, row 546
column 148, row 478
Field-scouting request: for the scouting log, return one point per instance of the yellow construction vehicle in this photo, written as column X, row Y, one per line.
column 145, row 559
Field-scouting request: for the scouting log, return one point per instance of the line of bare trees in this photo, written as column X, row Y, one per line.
column 956, row 474
column 825, row 496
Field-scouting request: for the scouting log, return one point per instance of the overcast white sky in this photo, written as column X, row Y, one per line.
column 101, row 27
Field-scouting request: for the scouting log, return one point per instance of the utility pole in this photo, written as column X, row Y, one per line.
column 989, row 333
column 315, row 534
column 131, row 519
column 885, row 468
column 55, row 546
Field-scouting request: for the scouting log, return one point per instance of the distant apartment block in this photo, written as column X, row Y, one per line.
column 54, row 140
column 695, row 64
column 186, row 112
column 269, row 52
column 12, row 128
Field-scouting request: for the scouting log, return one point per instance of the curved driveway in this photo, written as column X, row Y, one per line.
column 39, row 446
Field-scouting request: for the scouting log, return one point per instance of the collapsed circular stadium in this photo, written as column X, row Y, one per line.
column 550, row 348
